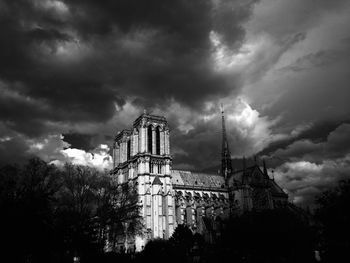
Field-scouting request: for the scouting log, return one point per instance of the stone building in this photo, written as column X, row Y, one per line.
column 168, row 197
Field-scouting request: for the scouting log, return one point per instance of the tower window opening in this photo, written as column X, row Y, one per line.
column 128, row 149
column 151, row 168
column 149, row 134
column 158, row 141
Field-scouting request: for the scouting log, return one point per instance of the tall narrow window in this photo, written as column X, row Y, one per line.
column 149, row 134
column 158, row 141
column 125, row 177
column 195, row 216
column 128, row 150
column 185, row 216
column 151, row 168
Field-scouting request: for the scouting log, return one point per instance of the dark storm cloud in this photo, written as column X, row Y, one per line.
column 282, row 18
column 318, row 59
column 75, row 67
column 311, row 78
column 307, row 167
column 80, row 141
column 183, row 19
column 337, row 145
column 13, row 151
column 188, row 22
column 81, row 58
column 44, row 90
column 316, row 133
column 177, row 64
column 42, row 35
column 306, row 86
column 201, row 145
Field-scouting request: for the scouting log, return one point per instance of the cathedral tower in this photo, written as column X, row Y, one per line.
column 141, row 156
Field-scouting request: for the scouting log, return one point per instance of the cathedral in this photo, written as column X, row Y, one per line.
column 169, row 197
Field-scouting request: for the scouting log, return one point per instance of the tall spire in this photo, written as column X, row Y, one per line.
column 226, row 165
column 265, row 169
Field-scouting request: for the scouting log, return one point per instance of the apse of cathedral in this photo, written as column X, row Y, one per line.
column 169, row 197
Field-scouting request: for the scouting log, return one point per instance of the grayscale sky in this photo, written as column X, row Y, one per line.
column 73, row 73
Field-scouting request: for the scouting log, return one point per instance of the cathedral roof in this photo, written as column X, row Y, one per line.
column 276, row 189
column 242, row 176
column 188, row 179
column 252, row 174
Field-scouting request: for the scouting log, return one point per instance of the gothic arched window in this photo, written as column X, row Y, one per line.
column 151, row 168
column 158, row 140
column 128, row 150
column 149, row 134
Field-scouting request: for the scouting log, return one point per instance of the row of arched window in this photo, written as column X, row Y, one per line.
column 155, row 168
column 150, row 139
column 149, row 142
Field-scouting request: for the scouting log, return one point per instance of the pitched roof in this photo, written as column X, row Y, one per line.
column 197, row 180
column 249, row 172
column 239, row 174
column 276, row 189
column 255, row 170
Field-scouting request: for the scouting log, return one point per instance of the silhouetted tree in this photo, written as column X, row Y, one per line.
column 176, row 249
column 27, row 217
column 182, row 241
column 76, row 209
column 158, row 250
column 118, row 213
column 269, row 236
column 334, row 214
column 50, row 214
column 92, row 209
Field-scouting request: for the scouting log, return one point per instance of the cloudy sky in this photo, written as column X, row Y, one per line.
column 73, row 73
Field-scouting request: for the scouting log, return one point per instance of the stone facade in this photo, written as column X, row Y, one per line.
column 170, row 197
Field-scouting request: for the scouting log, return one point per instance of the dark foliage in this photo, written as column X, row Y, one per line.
column 266, row 236
column 334, row 214
column 27, row 221
column 158, row 250
column 177, row 249
column 53, row 215
column 182, row 238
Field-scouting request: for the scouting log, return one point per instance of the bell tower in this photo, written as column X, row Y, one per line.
column 141, row 155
